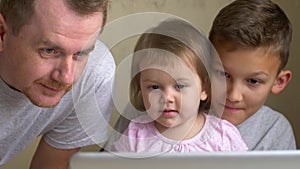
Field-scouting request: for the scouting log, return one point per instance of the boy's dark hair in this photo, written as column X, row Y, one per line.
column 18, row 12
column 252, row 24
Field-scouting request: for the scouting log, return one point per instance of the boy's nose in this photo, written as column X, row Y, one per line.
column 234, row 93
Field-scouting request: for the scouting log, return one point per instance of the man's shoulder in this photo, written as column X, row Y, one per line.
column 101, row 55
column 100, row 66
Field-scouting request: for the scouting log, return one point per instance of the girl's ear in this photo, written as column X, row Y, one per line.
column 3, row 29
column 203, row 95
column 281, row 81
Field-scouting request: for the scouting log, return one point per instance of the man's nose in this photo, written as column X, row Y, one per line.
column 64, row 72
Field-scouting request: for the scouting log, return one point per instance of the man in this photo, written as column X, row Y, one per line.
column 49, row 84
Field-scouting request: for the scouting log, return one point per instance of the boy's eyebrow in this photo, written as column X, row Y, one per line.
column 260, row 73
column 255, row 73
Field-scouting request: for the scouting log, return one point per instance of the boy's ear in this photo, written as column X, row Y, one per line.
column 3, row 29
column 281, row 81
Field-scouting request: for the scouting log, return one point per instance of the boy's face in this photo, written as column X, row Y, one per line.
column 250, row 76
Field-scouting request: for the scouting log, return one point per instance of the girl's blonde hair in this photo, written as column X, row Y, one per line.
column 180, row 39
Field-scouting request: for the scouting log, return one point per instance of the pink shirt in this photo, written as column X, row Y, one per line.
column 216, row 135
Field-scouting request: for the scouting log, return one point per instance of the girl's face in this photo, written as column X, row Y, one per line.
column 171, row 94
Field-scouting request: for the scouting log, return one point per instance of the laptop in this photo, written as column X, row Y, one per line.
column 203, row 160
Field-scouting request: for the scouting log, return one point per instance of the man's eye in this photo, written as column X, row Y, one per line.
column 48, row 52
column 80, row 55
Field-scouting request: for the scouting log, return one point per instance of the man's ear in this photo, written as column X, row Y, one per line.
column 281, row 81
column 3, row 29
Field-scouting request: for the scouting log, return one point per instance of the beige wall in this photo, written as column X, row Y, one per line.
column 201, row 14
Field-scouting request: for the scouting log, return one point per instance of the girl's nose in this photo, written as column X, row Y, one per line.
column 169, row 95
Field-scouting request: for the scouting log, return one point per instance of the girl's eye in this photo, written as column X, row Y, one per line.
column 154, row 87
column 180, row 86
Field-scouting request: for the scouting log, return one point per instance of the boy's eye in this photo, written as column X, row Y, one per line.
column 221, row 73
column 254, row 81
column 224, row 74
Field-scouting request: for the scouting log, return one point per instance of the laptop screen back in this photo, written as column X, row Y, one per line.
column 205, row 160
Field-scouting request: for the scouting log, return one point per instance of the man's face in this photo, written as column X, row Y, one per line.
column 49, row 53
column 250, row 75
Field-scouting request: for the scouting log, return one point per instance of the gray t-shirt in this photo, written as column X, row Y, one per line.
column 267, row 130
column 80, row 119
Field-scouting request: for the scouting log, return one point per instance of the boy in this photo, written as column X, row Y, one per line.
column 253, row 39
